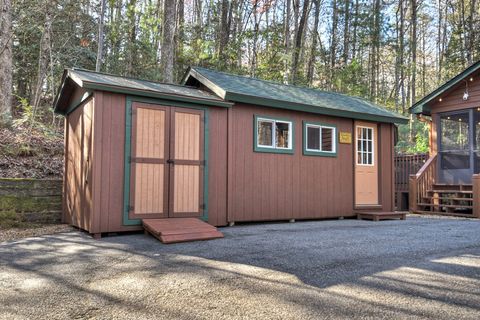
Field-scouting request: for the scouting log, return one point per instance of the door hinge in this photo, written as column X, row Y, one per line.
column 202, row 206
column 130, row 208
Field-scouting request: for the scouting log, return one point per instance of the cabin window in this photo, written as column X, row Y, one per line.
column 365, row 150
column 273, row 135
column 319, row 139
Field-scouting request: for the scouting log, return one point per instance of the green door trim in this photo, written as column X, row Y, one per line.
column 128, row 146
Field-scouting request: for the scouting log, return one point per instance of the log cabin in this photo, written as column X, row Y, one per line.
column 448, row 183
column 219, row 147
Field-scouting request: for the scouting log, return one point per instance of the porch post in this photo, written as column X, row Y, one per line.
column 412, row 193
column 476, row 195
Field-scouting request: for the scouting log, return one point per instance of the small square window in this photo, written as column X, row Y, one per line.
column 320, row 139
column 273, row 135
column 365, row 147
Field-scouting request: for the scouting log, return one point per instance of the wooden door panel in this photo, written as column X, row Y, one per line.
column 187, row 163
column 186, row 188
column 149, row 172
column 366, row 165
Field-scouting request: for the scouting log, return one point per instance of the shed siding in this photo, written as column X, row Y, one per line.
column 270, row 186
column 78, row 193
column 109, row 140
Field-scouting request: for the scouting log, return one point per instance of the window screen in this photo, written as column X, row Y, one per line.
column 274, row 134
column 319, row 138
column 265, row 137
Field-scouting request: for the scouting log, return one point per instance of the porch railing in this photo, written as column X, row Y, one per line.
column 421, row 182
column 405, row 165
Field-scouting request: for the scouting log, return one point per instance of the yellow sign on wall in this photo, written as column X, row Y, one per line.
column 345, row 137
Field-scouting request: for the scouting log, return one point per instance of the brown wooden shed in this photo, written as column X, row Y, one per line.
column 220, row 147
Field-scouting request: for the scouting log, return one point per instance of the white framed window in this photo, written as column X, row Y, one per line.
column 365, row 146
column 273, row 135
column 320, row 139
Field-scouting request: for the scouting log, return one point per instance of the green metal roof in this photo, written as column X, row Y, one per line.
column 422, row 106
column 267, row 93
column 91, row 80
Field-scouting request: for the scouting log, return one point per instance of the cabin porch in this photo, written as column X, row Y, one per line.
column 449, row 181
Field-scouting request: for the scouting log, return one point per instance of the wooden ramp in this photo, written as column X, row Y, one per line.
column 377, row 216
column 172, row 230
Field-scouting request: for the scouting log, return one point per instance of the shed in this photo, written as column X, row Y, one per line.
column 220, row 147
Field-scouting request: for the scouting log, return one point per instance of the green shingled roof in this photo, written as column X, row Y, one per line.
column 91, row 80
column 267, row 93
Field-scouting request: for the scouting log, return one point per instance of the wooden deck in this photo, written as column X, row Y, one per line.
column 172, row 230
column 377, row 216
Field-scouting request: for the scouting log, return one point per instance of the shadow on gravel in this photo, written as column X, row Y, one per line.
column 321, row 268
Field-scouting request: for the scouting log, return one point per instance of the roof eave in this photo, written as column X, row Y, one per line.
column 421, row 106
column 219, row 91
column 154, row 94
column 314, row 109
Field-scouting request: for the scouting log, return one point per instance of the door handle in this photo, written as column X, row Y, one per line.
column 170, row 161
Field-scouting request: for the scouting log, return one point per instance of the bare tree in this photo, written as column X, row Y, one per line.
column 43, row 57
column 313, row 48
column 168, row 47
column 98, row 64
column 300, row 31
column 6, row 64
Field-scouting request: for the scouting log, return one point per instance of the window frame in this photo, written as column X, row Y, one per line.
column 273, row 148
column 320, row 153
column 356, row 146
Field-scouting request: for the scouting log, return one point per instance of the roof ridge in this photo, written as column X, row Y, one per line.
column 129, row 77
column 302, row 87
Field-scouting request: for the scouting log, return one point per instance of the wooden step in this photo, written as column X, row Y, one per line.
column 447, row 198
column 451, row 191
column 437, row 213
column 454, row 206
column 173, row 230
column 460, row 187
column 379, row 215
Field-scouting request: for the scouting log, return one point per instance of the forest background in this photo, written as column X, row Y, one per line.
column 391, row 52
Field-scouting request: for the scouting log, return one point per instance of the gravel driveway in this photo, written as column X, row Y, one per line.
column 422, row 268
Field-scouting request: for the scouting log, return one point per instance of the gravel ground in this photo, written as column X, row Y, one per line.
column 422, row 268
column 35, row 231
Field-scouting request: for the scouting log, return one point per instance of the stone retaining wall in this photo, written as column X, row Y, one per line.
column 32, row 200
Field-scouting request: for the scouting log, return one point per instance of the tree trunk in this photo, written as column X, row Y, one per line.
column 298, row 40
column 132, row 36
column 333, row 42
column 6, row 64
column 167, row 57
column 413, row 40
column 43, row 59
column 313, row 49
column 223, row 32
column 346, row 32
column 98, row 65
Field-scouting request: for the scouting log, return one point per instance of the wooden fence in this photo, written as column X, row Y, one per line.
column 405, row 165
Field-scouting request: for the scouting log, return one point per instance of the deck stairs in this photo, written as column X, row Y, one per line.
column 172, row 230
column 448, row 199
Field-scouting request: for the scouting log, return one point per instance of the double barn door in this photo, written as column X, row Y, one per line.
column 167, row 162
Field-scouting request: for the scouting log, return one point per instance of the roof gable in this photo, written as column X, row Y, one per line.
column 422, row 106
column 267, row 93
column 91, row 80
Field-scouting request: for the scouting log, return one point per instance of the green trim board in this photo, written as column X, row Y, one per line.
column 128, row 140
column 257, row 148
column 254, row 91
column 422, row 107
column 319, row 153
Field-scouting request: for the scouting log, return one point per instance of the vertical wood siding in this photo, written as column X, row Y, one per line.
column 453, row 99
column 78, row 191
column 270, row 186
column 109, row 148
